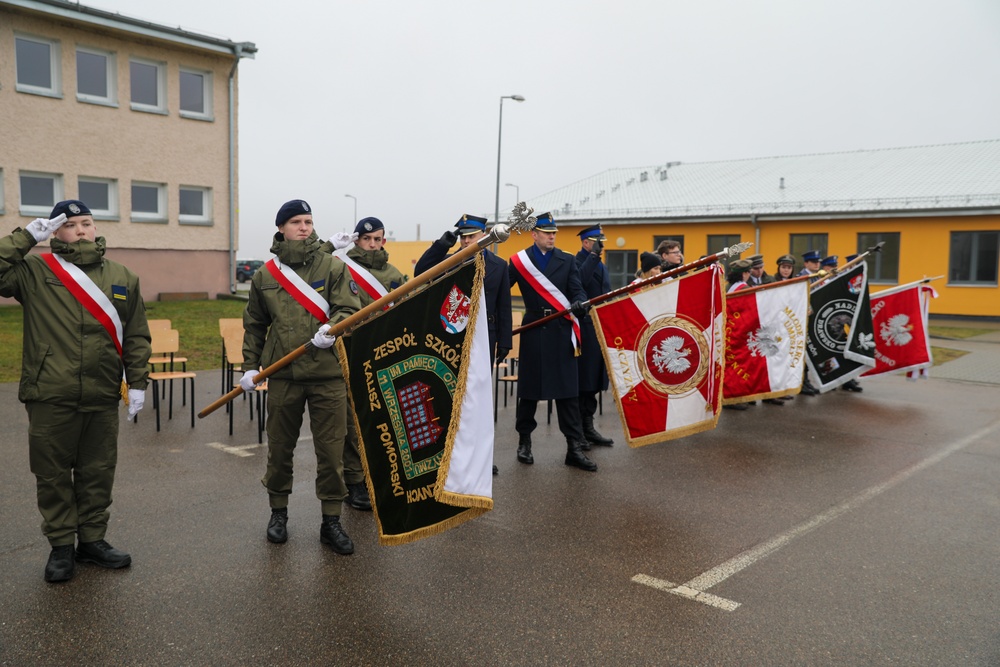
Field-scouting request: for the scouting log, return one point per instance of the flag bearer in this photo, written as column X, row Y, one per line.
column 85, row 341
column 549, row 282
column 300, row 289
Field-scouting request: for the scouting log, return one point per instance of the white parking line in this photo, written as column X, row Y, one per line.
column 695, row 589
column 237, row 450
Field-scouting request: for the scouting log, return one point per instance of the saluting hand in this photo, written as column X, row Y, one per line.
column 341, row 240
column 450, row 238
column 42, row 228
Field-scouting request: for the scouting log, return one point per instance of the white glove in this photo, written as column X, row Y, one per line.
column 322, row 339
column 247, row 380
column 136, row 399
column 42, row 228
column 341, row 240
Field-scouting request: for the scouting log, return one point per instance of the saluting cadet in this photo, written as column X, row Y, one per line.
column 301, row 288
column 549, row 282
column 496, row 283
column 85, row 340
column 374, row 277
column 593, row 375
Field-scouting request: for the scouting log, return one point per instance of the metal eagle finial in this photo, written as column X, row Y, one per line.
column 520, row 218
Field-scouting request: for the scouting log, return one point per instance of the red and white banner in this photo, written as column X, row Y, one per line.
column 766, row 330
column 902, row 339
column 663, row 348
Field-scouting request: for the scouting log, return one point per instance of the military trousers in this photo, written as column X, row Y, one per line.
column 567, row 410
column 73, row 457
column 354, row 473
column 286, row 406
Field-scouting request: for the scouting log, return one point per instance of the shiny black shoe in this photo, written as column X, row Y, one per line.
column 773, row 401
column 576, row 458
column 524, row 450
column 357, row 497
column 277, row 530
column 103, row 554
column 808, row 389
column 852, row 385
column 595, row 438
column 735, row 406
column 61, row 565
column 332, row 534
column 496, row 471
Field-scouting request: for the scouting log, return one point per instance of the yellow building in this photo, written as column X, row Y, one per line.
column 138, row 120
column 936, row 208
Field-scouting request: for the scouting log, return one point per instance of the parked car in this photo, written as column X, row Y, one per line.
column 245, row 268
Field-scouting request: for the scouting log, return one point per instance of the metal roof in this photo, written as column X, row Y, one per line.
column 955, row 177
column 118, row 21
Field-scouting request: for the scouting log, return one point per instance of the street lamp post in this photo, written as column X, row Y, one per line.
column 516, row 98
column 517, row 192
column 355, row 221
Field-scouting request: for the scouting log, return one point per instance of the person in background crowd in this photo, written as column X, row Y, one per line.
column 758, row 276
column 810, row 264
column 786, row 267
column 86, row 346
column 671, row 255
column 649, row 266
column 284, row 295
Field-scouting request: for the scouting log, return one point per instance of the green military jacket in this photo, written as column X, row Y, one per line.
column 275, row 324
column 377, row 263
column 68, row 356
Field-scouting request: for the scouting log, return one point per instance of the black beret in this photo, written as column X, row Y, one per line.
column 71, row 207
column 368, row 225
column 289, row 210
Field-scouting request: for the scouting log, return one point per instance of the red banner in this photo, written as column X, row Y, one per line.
column 902, row 339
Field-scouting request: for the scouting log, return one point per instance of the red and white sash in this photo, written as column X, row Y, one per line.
column 89, row 295
column 301, row 291
column 362, row 276
column 545, row 289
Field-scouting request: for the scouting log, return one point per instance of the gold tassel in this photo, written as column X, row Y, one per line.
column 123, row 390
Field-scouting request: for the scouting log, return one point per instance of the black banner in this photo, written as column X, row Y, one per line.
column 841, row 334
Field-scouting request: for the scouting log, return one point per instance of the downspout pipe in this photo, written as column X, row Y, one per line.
column 240, row 50
column 756, row 233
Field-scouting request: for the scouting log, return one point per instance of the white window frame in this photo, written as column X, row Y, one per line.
column 36, row 210
column 110, row 72
column 55, row 67
column 206, row 206
column 110, row 213
column 207, row 87
column 161, row 86
column 160, row 216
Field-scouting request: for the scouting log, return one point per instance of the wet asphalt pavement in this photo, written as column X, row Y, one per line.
column 844, row 529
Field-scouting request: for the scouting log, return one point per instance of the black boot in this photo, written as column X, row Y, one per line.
column 332, row 533
column 808, row 389
column 61, row 565
column 576, row 458
column 592, row 436
column 852, row 385
column 277, row 532
column 524, row 449
column 357, row 497
column 103, row 554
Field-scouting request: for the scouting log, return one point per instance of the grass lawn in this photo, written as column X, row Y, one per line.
column 957, row 332
column 197, row 324
column 943, row 355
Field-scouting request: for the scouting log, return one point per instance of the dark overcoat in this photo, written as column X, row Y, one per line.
column 547, row 367
column 496, row 283
column 596, row 281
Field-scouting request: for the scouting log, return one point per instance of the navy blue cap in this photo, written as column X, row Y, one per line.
column 290, row 209
column 851, row 258
column 470, row 224
column 368, row 225
column 593, row 233
column 71, row 207
column 829, row 261
column 546, row 223
column 811, row 256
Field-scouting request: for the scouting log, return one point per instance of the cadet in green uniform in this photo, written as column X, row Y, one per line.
column 275, row 322
column 369, row 257
column 71, row 376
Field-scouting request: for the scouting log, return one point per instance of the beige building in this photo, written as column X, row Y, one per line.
column 137, row 120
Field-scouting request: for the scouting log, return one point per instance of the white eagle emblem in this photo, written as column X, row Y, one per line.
column 669, row 357
column 866, row 341
column 897, row 330
column 765, row 342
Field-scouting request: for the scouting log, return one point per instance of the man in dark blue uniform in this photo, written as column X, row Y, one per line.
column 496, row 282
column 593, row 376
column 549, row 282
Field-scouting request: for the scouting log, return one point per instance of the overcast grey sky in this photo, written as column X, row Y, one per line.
column 397, row 102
